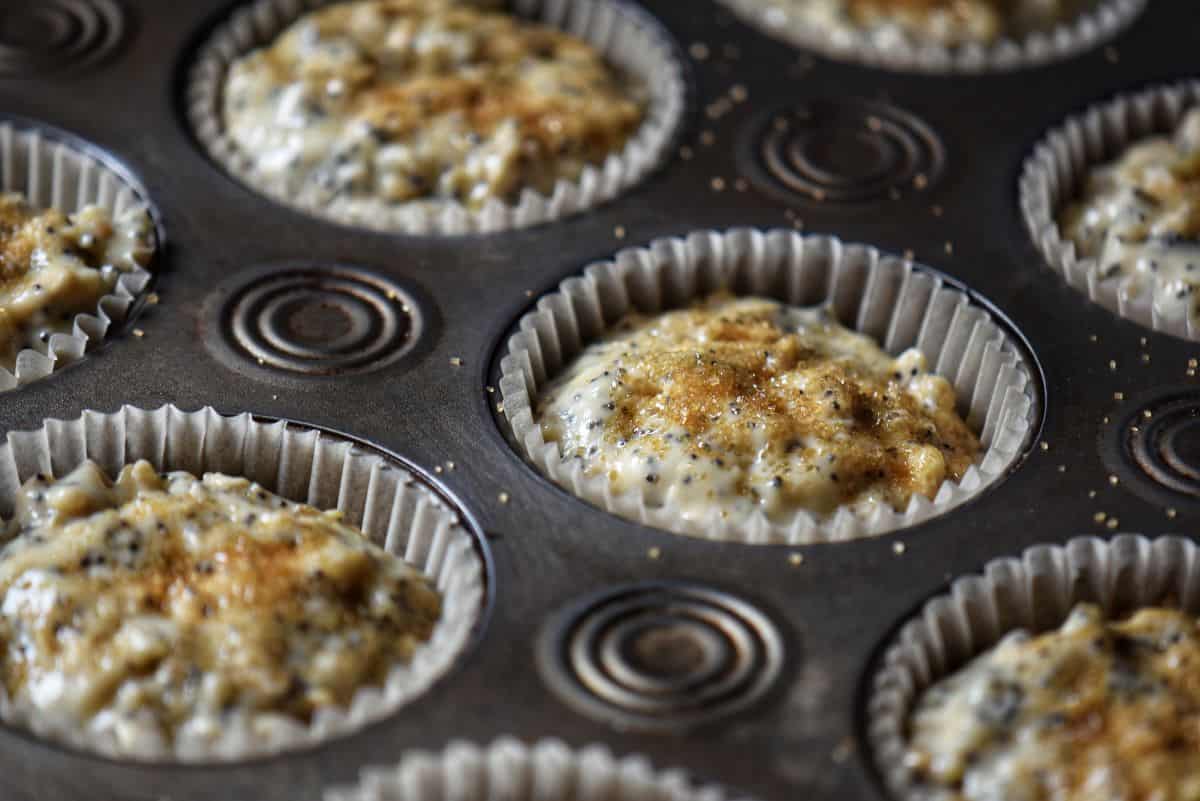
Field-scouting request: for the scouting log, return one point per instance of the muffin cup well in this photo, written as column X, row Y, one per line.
column 382, row 498
column 509, row 770
column 627, row 37
column 1034, row 592
column 1067, row 39
column 884, row 297
column 1056, row 172
column 52, row 173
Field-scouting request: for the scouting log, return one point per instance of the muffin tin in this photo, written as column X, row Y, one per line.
column 753, row 663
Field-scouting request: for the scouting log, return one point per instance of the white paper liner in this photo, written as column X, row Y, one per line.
column 1055, row 174
column 375, row 494
column 509, row 770
column 627, row 38
column 882, row 296
column 53, row 174
column 1034, row 592
column 1067, row 39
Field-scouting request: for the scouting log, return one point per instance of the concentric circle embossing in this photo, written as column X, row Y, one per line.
column 36, row 38
column 845, row 151
column 661, row 656
column 321, row 320
column 1164, row 441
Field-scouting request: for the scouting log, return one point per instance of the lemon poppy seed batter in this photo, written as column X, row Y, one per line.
column 1139, row 218
column 949, row 23
column 54, row 266
column 1097, row 710
column 162, row 606
column 373, row 104
column 740, row 406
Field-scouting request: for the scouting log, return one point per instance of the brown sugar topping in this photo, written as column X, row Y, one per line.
column 19, row 226
column 778, row 406
column 565, row 102
column 743, row 379
column 1094, row 704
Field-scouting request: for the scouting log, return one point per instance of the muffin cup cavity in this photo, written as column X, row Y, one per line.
column 887, row 298
column 1056, row 172
column 1087, row 30
column 547, row 770
column 52, row 173
column 381, row 497
column 627, row 37
column 1034, row 592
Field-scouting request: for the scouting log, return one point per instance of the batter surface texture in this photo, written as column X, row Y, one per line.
column 165, row 606
column 747, row 405
column 1097, row 709
column 368, row 105
column 949, row 23
column 1139, row 218
column 54, row 266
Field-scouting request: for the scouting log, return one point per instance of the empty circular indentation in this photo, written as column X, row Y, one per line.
column 661, row 656
column 35, row 27
column 56, row 34
column 321, row 320
column 1181, row 448
column 653, row 655
column 1164, row 440
column 860, row 158
column 667, row 650
column 845, row 150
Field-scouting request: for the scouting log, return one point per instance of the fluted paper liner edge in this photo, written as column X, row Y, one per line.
column 508, row 769
column 1036, row 592
column 51, row 173
column 1067, row 39
column 376, row 494
column 1055, row 173
column 626, row 36
column 882, row 296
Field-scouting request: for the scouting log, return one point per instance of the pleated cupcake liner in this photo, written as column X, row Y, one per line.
column 1034, row 592
column 510, row 770
column 382, row 498
column 1055, row 175
column 1088, row 30
column 626, row 36
column 887, row 298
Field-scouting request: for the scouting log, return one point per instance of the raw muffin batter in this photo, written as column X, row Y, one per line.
column 54, row 266
column 745, row 405
column 371, row 104
column 1096, row 710
column 1139, row 218
column 166, row 606
column 945, row 22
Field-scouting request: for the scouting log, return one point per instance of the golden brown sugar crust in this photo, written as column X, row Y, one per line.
column 567, row 105
column 52, row 267
column 745, row 404
column 1111, row 704
column 174, row 594
column 736, row 362
column 25, row 230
